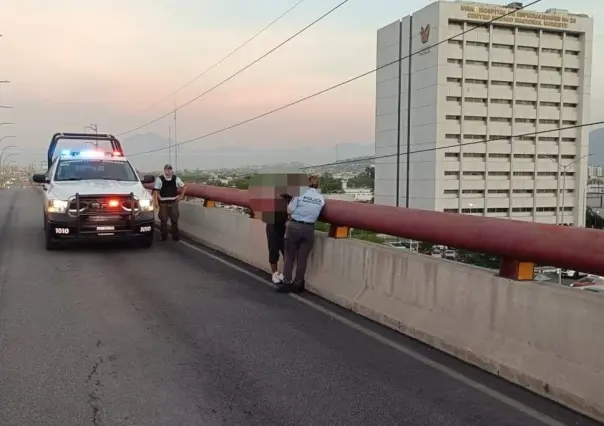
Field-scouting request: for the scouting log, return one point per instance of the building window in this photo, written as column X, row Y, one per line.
column 531, row 103
column 548, row 121
column 455, row 61
column 547, row 174
column 476, row 100
column 522, row 209
column 499, row 191
column 475, row 137
column 497, row 155
column 451, row 173
column 525, row 156
column 523, row 191
column 568, row 87
column 501, row 83
column 497, row 210
column 548, row 157
column 472, row 211
column 550, row 86
column 473, row 155
column 451, row 192
column 476, row 81
column 549, row 104
column 528, row 49
column 524, row 174
column 499, row 174
column 501, row 101
column 451, row 154
column 481, row 174
column 553, row 69
column 453, row 136
column 472, row 191
column 523, row 84
column 501, row 119
column 526, row 67
column 475, row 118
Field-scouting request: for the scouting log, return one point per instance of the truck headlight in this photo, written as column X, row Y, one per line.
column 146, row 205
column 57, row 206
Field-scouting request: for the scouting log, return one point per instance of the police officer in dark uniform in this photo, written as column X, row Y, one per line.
column 166, row 199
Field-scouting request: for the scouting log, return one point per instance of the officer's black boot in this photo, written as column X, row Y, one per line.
column 163, row 231
column 175, row 232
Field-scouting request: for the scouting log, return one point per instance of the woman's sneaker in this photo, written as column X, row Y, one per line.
column 277, row 277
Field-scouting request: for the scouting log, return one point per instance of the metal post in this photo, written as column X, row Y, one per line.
column 169, row 144
column 175, row 139
column 563, row 192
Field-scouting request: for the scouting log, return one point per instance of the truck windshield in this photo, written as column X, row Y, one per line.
column 97, row 169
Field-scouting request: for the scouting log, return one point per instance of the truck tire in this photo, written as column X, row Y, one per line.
column 146, row 241
column 50, row 242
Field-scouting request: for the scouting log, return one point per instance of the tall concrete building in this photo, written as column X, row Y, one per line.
column 505, row 82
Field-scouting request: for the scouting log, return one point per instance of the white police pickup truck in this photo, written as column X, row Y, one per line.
column 95, row 195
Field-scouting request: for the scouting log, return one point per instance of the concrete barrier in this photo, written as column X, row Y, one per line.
column 541, row 336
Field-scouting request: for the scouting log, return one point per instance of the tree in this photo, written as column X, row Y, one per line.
column 330, row 185
column 365, row 179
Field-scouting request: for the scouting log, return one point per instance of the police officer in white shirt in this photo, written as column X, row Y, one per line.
column 304, row 211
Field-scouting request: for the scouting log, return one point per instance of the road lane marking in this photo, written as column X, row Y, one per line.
column 537, row 415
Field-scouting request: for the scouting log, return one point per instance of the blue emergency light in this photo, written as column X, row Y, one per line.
column 89, row 154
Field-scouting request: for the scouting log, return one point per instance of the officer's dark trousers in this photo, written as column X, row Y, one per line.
column 299, row 240
column 168, row 210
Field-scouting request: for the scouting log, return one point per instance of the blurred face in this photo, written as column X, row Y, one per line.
column 168, row 172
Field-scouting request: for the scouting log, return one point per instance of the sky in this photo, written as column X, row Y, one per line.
column 72, row 63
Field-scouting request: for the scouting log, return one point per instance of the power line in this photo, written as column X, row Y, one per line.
column 325, row 15
column 237, row 49
column 438, row 148
column 249, row 120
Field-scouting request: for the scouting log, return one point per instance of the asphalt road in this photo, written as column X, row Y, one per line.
column 170, row 336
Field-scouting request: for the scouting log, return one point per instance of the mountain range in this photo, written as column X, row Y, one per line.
column 234, row 156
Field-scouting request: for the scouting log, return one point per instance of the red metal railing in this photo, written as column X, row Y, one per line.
column 580, row 249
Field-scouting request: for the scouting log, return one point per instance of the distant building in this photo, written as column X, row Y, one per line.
column 528, row 72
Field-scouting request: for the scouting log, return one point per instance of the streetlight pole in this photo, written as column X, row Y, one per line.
column 5, row 163
column 5, row 106
column 6, row 137
column 564, row 169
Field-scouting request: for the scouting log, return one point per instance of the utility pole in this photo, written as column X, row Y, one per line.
column 95, row 129
column 169, row 144
column 175, row 139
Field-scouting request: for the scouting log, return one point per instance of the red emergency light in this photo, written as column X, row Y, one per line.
column 113, row 204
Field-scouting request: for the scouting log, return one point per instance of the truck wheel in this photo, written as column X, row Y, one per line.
column 50, row 242
column 147, row 241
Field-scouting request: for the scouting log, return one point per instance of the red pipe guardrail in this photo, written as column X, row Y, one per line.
column 578, row 248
